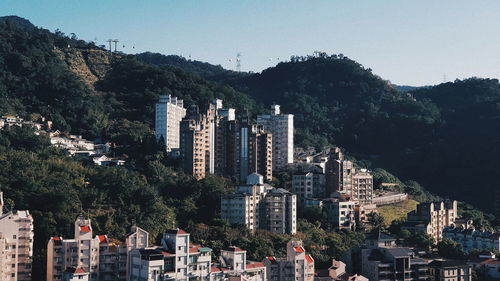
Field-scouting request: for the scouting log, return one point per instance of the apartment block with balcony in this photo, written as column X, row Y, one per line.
column 16, row 244
column 472, row 239
column 233, row 265
column 432, row 218
column 261, row 206
column 308, row 185
column 281, row 127
column 102, row 258
column 169, row 113
column 341, row 212
column 296, row 266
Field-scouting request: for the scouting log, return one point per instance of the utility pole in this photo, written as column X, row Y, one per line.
column 109, row 41
column 238, row 62
column 116, row 42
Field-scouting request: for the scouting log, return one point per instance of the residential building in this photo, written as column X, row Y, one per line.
column 195, row 143
column 395, row 263
column 281, row 127
column 487, row 264
column 472, row 239
column 234, row 266
column 75, row 274
column 296, row 266
column 178, row 259
column 308, row 185
column 169, row 113
column 337, row 271
column 341, row 176
column 98, row 256
column 261, row 206
column 432, row 218
column 341, row 212
column 450, row 270
column 16, row 244
column 255, row 152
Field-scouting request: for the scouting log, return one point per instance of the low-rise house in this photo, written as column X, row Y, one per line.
column 108, row 161
column 75, row 274
column 234, row 266
column 337, row 272
column 450, row 270
column 297, row 265
column 472, row 239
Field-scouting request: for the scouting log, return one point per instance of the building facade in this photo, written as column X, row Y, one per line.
column 432, row 218
column 308, row 185
column 341, row 212
column 450, row 270
column 261, row 206
column 281, row 127
column 169, row 114
column 98, row 256
column 472, row 239
column 16, row 244
column 178, row 259
column 296, row 266
column 341, row 176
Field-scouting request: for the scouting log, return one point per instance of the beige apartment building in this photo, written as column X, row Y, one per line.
column 16, row 244
column 432, row 218
column 98, row 256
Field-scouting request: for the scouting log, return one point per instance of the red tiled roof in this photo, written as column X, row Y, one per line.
column 75, row 270
column 309, row 259
column 218, row 269
column 102, row 239
column 167, row 254
column 272, row 259
column 299, row 249
column 57, row 241
column 255, row 265
column 194, row 248
column 491, row 261
column 85, row 228
column 235, row 249
column 176, row 231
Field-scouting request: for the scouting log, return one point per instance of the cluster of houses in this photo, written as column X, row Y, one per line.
column 74, row 145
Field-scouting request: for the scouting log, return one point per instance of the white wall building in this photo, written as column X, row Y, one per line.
column 97, row 256
column 169, row 114
column 297, row 266
column 16, row 244
column 261, row 206
column 281, row 127
column 308, row 185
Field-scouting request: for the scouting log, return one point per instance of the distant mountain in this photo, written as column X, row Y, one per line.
column 20, row 22
column 205, row 70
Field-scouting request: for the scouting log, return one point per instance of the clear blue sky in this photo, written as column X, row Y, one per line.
column 413, row 42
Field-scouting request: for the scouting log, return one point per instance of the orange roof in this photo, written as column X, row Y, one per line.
column 218, row 269
column 194, row 248
column 167, row 254
column 255, row 265
column 491, row 261
column 309, row 259
column 176, row 231
column 299, row 249
column 102, row 239
column 75, row 270
column 85, row 228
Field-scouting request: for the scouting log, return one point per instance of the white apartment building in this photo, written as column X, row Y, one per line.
column 234, row 266
column 297, row 266
column 169, row 114
column 281, row 127
column 96, row 256
column 261, row 206
column 175, row 259
column 16, row 244
column 472, row 239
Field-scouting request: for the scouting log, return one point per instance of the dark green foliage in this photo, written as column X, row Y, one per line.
column 450, row 249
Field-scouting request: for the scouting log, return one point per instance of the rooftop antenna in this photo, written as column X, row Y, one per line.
column 444, row 78
column 109, row 41
column 238, row 62
column 116, row 42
